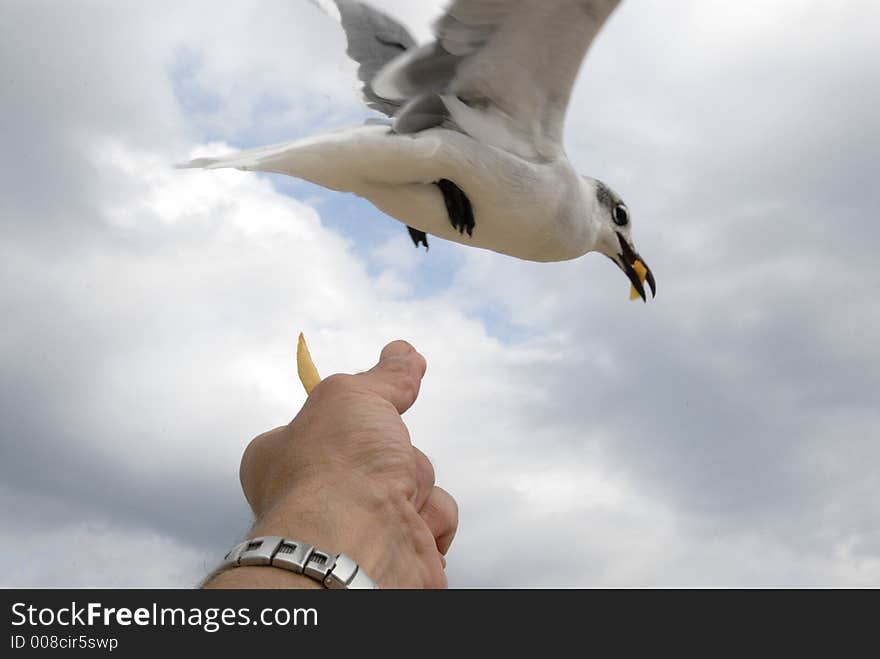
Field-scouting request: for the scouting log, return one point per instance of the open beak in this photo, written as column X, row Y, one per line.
column 630, row 262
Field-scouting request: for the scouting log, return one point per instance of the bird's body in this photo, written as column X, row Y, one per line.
column 521, row 205
column 473, row 152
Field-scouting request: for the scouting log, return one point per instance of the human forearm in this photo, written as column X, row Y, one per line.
column 385, row 535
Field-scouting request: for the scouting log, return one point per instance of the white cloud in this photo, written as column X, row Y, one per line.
column 97, row 556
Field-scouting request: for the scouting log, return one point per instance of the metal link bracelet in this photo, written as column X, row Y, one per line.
column 336, row 571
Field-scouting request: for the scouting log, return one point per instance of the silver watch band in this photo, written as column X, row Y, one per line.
column 332, row 570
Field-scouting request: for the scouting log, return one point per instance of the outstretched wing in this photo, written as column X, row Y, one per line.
column 512, row 62
column 374, row 39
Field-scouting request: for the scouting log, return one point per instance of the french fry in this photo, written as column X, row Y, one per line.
column 642, row 272
column 305, row 367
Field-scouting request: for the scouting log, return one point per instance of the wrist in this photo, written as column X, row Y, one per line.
column 383, row 534
column 258, row 576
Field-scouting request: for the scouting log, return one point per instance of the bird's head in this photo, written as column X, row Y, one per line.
column 614, row 238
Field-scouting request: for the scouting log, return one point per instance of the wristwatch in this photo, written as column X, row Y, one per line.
column 332, row 570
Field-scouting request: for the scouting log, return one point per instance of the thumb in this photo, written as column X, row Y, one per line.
column 398, row 375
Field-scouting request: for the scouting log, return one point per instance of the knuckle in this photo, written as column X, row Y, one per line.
column 261, row 448
column 406, row 381
column 335, row 385
column 411, row 387
column 446, row 500
column 452, row 509
column 424, row 469
column 256, row 448
column 400, row 375
column 250, row 471
column 396, row 365
column 400, row 347
column 404, row 389
column 420, row 362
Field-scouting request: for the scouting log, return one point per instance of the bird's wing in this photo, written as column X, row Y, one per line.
column 374, row 39
column 513, row 60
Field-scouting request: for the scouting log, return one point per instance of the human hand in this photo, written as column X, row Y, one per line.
column 345, row 477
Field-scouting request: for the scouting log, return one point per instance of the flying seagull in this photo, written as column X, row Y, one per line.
column 472, row 149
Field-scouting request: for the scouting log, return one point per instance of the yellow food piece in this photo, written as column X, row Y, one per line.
column 305, row 367
column 642, row 272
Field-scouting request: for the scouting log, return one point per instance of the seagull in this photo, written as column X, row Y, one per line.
column 471, row 150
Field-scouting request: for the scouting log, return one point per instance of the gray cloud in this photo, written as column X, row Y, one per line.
column 755, row 370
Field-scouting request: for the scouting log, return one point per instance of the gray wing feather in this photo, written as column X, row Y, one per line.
column 374, row 39
column 469, row 24
column 422, row 112
column 517, row 58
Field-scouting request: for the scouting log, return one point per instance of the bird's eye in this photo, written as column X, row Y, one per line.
column 621, row 215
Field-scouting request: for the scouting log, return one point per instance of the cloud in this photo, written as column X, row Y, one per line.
column 95, row 553
column 722, row 435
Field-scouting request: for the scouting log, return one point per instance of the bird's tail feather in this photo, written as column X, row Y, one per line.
column 197, row 163
column 246, row 159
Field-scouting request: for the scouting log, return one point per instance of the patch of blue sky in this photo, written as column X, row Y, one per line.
column 272, row 119
column 499, row 325
column 437, row 268
column 194, row 99
column 368, row 228
column 267, row 117
column 353, row 218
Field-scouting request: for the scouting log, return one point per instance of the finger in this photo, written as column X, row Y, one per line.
column 398, row 375
column 440, row 513
column 424, row 478
column 396, row 349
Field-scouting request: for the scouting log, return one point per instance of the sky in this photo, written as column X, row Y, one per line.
column 725, row 434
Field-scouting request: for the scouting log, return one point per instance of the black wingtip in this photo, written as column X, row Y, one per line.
column 418, row 238
column 458, row 206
